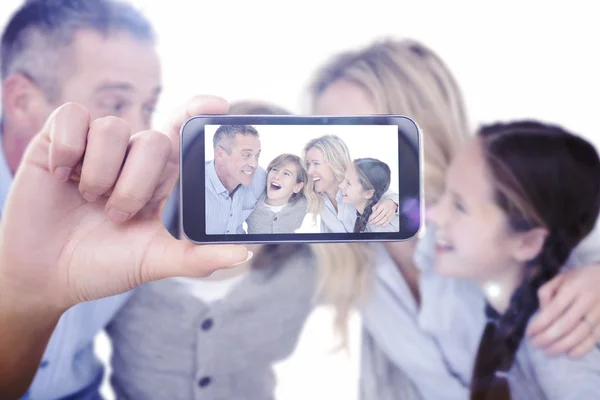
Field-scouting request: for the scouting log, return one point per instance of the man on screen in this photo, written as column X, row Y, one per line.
column 234, row 180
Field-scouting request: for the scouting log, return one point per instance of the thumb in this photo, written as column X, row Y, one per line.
column 549, row 290
column 167, row 257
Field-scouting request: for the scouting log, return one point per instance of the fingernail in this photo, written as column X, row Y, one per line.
column 117, row 216
column 250, row 254
column 91, row 197
column 63, row 173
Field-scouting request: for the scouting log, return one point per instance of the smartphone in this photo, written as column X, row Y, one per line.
column 310, row 179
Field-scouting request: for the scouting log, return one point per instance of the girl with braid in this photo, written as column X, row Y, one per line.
column 518, row 199
column 365, row 182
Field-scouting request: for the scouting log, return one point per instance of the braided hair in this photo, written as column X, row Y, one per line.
column 372, row 175
column 544, row 177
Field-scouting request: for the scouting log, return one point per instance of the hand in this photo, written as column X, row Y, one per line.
column 63, row 242
column 383, row 213
column 569, row 321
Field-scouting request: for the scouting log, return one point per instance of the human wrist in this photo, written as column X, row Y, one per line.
column 23, row 306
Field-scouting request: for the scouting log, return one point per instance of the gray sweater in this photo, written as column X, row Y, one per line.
column 263, row 220
column 170, row 345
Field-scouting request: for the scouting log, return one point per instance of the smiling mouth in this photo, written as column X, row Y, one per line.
column 249, row 173
column 443, row 246
column 275, row 186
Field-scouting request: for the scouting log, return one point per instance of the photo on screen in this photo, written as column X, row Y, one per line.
column 307, row 179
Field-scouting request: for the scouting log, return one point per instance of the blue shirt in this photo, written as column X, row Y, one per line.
column 225, row 213
column 69, row 365
column 402, row 330
column 438, row 341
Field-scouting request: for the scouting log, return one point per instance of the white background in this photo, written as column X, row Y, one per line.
column 376, row 141
column 513, row 59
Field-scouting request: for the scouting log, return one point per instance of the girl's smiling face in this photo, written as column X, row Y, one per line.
column 352, row 190
column 474, row 240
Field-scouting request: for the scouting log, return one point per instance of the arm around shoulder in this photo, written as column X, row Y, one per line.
column 564, row 378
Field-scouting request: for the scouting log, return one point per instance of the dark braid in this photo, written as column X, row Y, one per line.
column 363, row 219
column 544, row 177
column 372, row 175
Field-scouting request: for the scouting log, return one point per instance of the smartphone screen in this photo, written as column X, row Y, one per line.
column 277, row 179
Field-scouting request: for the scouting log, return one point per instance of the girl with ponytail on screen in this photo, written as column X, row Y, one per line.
column 366, row 181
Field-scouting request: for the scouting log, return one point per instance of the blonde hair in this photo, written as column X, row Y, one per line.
column 403, row 77
column 301, row 175
column 337, row 156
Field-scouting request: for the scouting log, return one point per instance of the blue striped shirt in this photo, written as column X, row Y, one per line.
column 69, row 366
column 225, row 213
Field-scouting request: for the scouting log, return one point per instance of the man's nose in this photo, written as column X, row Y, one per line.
column 253, row 163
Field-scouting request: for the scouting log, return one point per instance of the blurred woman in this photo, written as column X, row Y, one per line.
column 407, row 330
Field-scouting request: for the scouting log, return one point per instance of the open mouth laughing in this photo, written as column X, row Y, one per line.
column 443, row 245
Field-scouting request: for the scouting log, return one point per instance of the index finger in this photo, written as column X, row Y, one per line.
column 551, row 313
column 549, row 290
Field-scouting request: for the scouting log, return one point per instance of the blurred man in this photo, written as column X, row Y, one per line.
column 101, row 54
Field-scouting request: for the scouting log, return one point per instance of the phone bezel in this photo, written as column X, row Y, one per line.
column 409, row 134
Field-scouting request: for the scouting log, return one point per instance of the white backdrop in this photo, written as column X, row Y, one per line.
column 513, row 59
column 376, row 141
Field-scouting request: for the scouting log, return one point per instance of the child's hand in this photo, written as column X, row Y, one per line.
column 569, row 319
column 383, row 213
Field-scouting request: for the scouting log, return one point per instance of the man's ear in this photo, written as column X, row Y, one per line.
column 529, row 244
column 219, row 152
column 24, row 104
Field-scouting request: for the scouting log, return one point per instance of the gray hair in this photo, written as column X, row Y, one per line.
column 225, row 134
column 36, row 39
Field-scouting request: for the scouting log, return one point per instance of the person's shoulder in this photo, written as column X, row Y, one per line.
column 302, row 202
column 259, row 182
column 260, row 176
column 555, row 372
column 260, row 171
